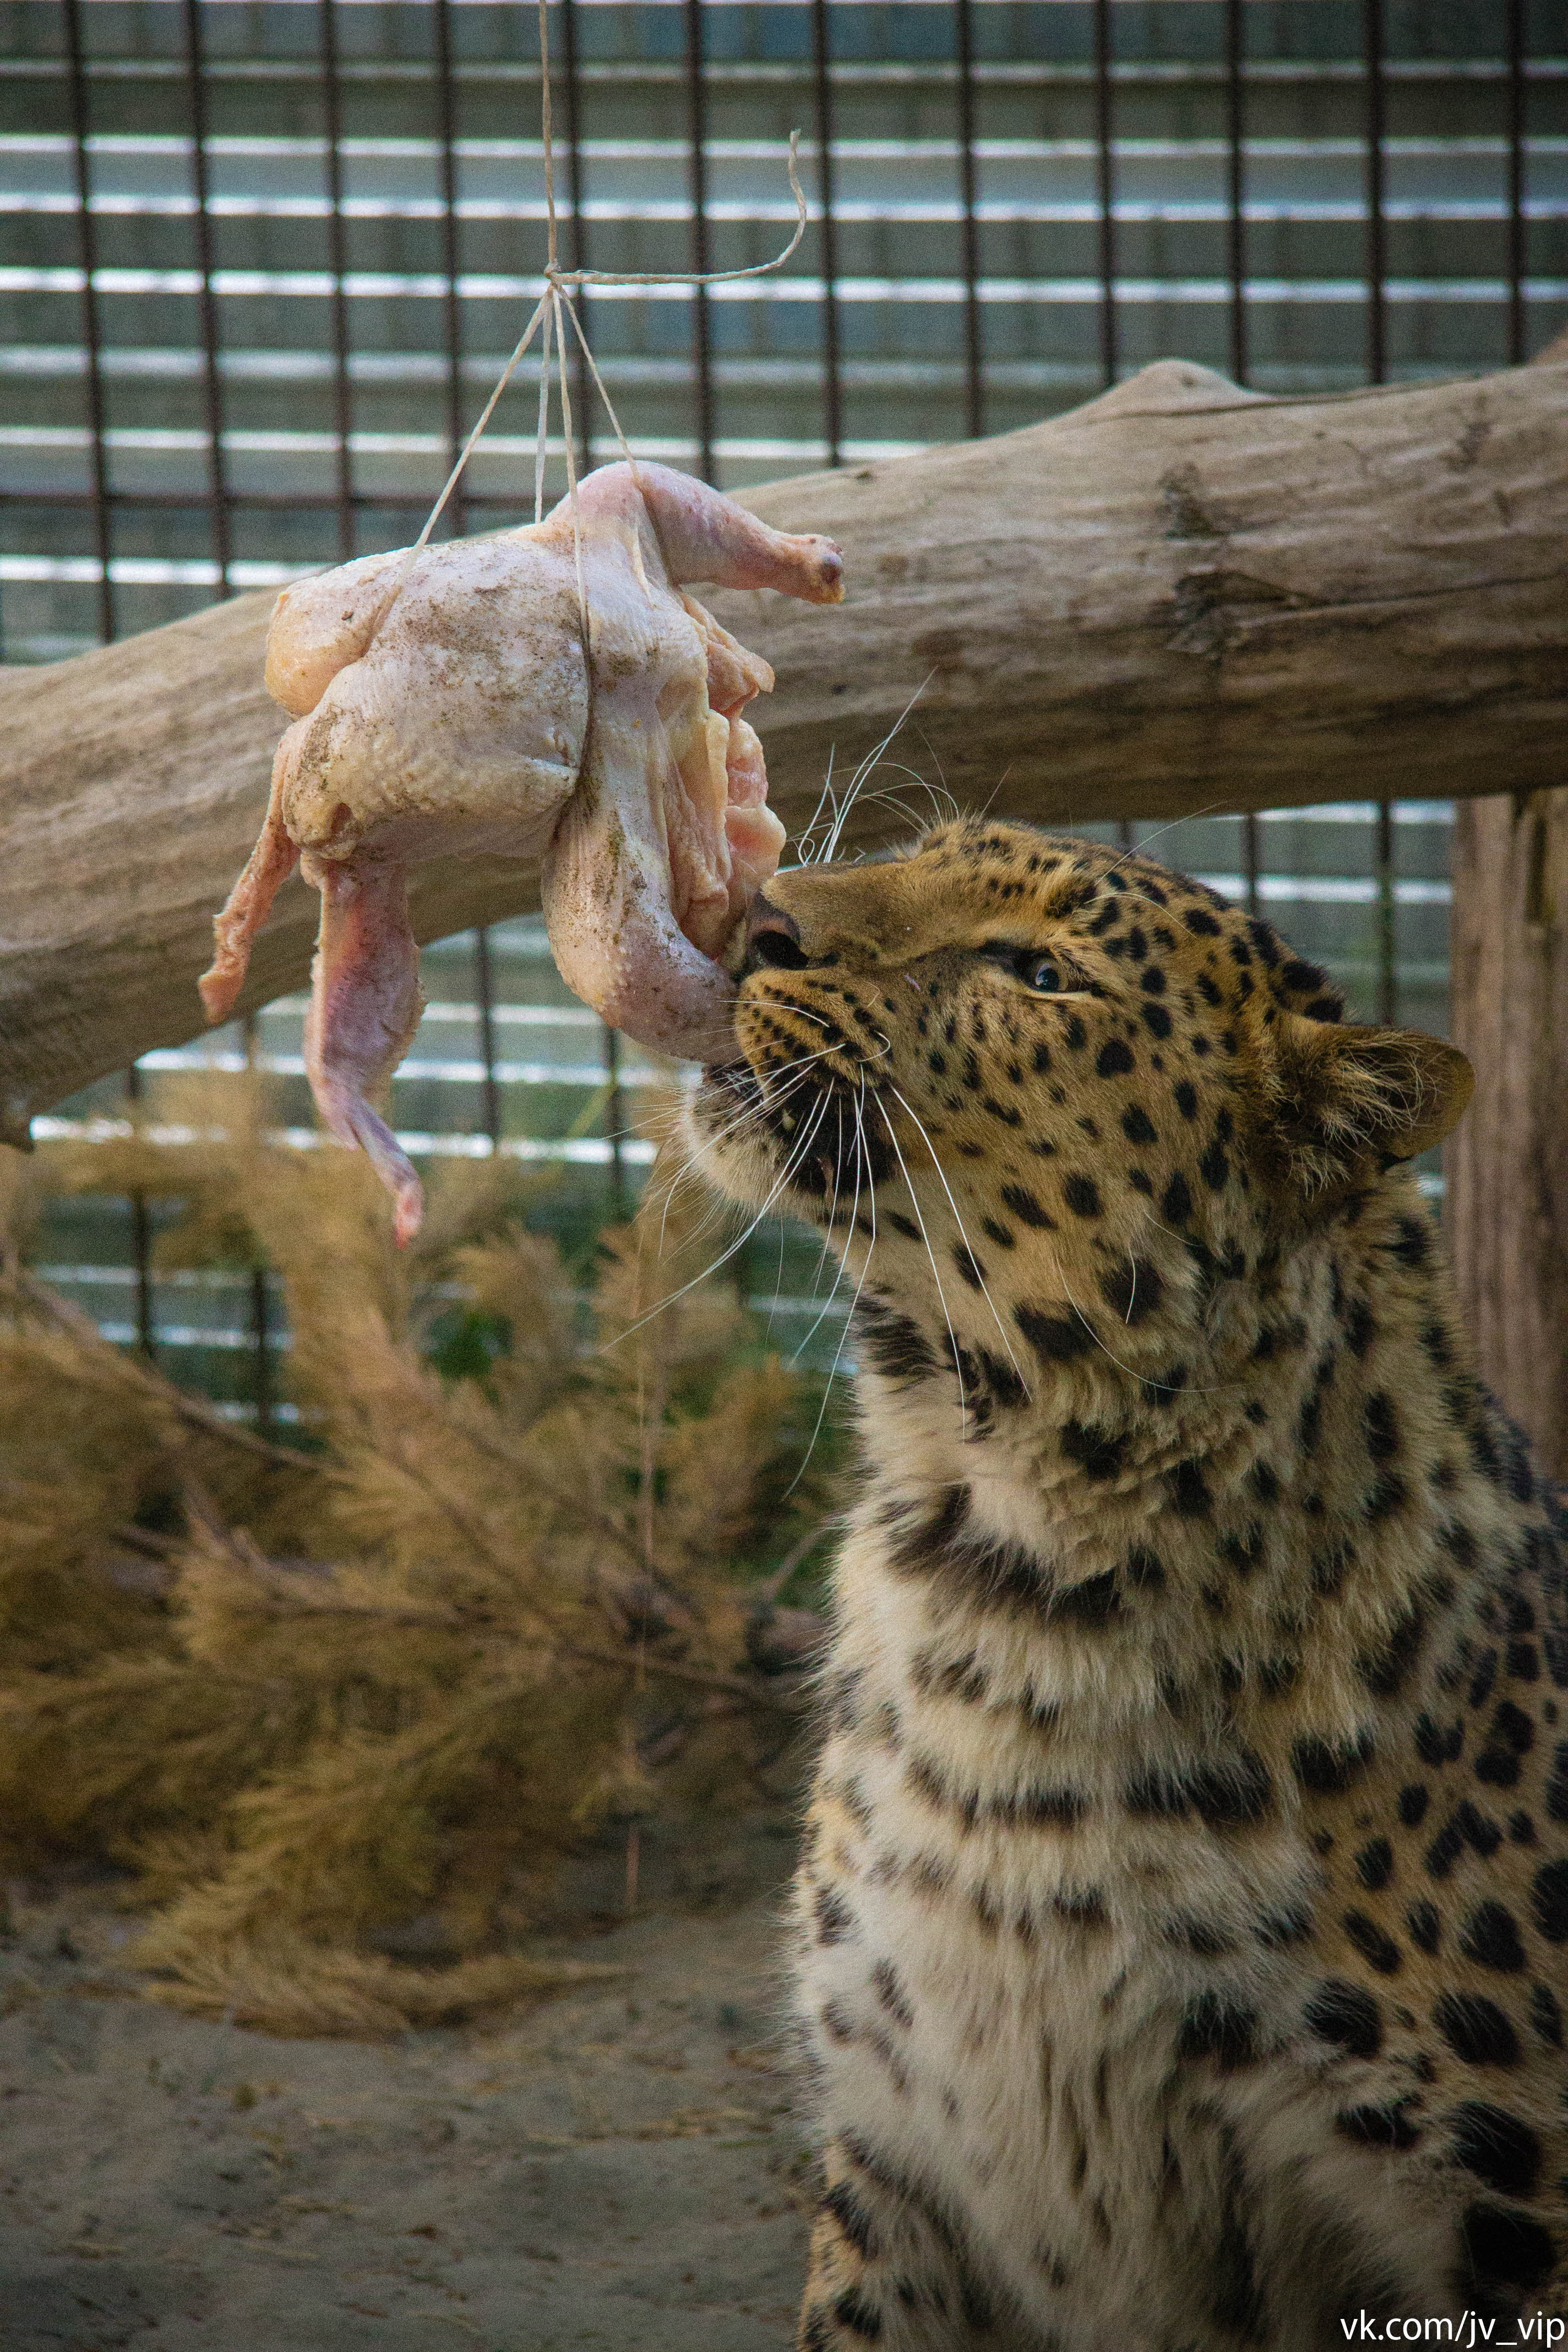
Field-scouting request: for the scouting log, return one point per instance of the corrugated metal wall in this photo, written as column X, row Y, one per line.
column 261, row 263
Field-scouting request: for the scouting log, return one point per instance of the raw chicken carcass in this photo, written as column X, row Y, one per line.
column 470, row 718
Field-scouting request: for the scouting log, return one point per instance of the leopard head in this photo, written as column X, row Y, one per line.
column 1050, row 1103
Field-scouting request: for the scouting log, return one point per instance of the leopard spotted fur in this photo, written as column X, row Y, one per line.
column 1182, row 1916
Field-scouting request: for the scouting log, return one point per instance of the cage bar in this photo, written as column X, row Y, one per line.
column 974, row 347
column 1235, row 184
column 140, row 1239
column 577, row 228
column 1376, row 192
column 827, row 228
column 261, row 1350
column 260, row 1304
column 219, row 521
column 1517, row 352
column 484, row 995
column 337, row 262
column 1387, row 918
column 614, row 1119
column 697, row 174
column 1377, row 369
column 1105, row 190
column 299, row 502
column 87, row 247
column 446, row 133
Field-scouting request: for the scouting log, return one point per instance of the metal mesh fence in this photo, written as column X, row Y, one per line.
column 261, row 264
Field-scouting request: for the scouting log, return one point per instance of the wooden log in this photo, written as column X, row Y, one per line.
column 1181, row 597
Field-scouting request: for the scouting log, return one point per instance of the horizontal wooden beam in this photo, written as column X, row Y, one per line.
column 1181, row 597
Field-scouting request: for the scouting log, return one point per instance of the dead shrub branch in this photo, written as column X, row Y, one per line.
column 307, row 1695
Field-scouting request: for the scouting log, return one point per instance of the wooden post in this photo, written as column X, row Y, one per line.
column 1507, row 1209
column 1506, row 1212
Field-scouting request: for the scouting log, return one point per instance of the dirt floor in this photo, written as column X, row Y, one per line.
column 619, row 2167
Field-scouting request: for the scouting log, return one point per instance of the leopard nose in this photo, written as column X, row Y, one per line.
column 773, row 938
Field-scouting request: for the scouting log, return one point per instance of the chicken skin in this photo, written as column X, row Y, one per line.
column 470, row 718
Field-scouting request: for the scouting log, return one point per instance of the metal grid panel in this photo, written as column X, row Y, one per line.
column 270, row 256
column 261, row 264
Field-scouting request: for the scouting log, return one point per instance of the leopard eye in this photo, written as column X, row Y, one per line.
column 1040, row 973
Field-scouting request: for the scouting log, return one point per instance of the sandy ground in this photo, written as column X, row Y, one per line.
column 614, row 2168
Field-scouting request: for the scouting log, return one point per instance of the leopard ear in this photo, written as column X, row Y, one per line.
column 1348, row 1101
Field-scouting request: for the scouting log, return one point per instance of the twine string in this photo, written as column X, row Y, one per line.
column 551, row 312
column 705, row 277
column 570, row 439
column 552, row 318
column 411, row 555
column 599, row 382
column 552, row 258
column 554, row 307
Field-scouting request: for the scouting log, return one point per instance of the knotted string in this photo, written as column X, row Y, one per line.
column 554, row 307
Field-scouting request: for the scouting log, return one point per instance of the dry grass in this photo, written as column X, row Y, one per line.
column 303, row 1991
column 400, row 1670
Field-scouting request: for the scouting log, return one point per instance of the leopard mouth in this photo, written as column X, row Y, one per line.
column 827, row 1140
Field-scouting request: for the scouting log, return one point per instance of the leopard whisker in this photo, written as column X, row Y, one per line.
column 754, row 1112
column 936, row 1277
column 1167, row 1388
column 868, row 767
column 739, row 1243
column 825, row 1251
column 1142, row 1378
column 841, row 1263
column 800, row 1011
column 986, row 809
column 799, row 1152
column 947, row 794
column 792, row 1072
column 894, row 797
column 750, row 1114
column 860, row 1156
column 822, row 1314
column 958, row 1219
column 827, row 794
column 1216, row 1387
column 778, row 1282
column 1138, row 848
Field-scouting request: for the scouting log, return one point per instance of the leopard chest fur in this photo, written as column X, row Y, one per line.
column 1089, row 1954
column 1045, row 1932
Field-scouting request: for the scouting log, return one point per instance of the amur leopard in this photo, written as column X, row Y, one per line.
column 1183, row 1914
